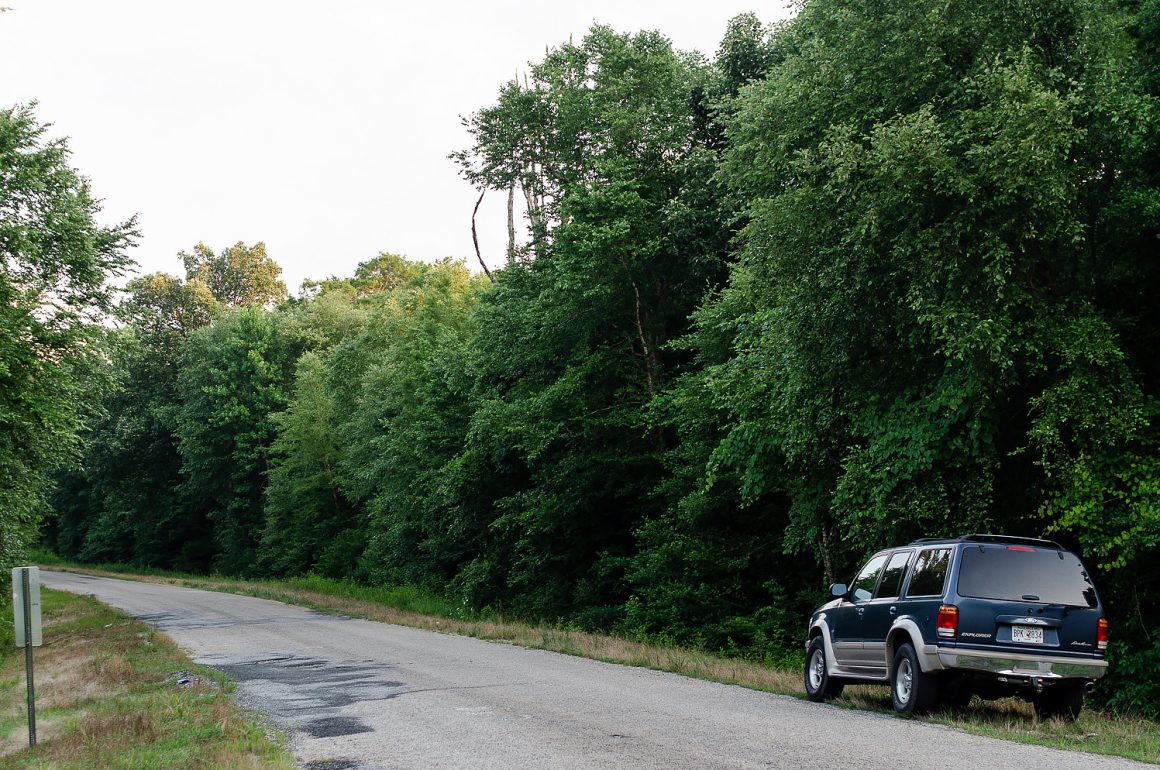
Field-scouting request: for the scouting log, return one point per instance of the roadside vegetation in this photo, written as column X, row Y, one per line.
column 115, row 693
column 1095, row 731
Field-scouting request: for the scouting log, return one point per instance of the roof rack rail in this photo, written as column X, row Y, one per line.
column 983, row 538
column 978, row 538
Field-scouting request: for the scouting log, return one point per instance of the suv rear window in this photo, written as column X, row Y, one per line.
column 1023, row 574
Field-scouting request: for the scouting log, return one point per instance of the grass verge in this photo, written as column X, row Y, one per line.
column 1095, row 731
column 109, row 694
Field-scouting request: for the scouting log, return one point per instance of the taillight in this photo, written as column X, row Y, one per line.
column 948, row 621
column 1102, row 634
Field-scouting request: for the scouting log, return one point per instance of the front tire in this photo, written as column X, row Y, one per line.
column 1062, row 700
column 911, row 691
column 820, row 685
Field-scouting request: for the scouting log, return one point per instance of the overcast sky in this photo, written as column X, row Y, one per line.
column 321, row 128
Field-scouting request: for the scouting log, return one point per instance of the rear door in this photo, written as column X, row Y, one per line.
column 925, row 589
column 1026, row 598
column 882, row 610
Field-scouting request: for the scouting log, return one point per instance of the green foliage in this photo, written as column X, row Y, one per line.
column 232, row 380
column 1132, row 686
column 240, row 276
column 411, row 418
column 612, row 102
column 1111, row 502
column 125, row 502
column 55, row 260
column 130, row 509
column 375, row 415
column 571, row 347
column 165, row 309
column 919, row 238
column 883, row 271
column 304, row 510
column 383, row 273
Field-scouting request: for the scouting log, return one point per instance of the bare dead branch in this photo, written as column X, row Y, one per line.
column 475, row 235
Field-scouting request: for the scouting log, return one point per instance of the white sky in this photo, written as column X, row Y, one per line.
column 320, row 128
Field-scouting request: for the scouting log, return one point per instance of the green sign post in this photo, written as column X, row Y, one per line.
column 26, row 608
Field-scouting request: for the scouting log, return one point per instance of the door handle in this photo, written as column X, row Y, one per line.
column 861, row 610
column 894, row 610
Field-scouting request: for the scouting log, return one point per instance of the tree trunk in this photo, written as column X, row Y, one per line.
column 535, row 204
column 651, row 354
column 827, row 564
column 511, row 249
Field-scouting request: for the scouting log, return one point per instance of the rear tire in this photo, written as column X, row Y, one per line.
column 1062, row 700
column 912, row 691
column 820, row 685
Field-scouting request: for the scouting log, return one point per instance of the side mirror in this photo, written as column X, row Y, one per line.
column 839, row 590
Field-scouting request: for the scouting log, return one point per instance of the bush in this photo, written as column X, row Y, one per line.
column 1133, row 681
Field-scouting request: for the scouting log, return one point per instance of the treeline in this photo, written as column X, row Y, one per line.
column 884, row 271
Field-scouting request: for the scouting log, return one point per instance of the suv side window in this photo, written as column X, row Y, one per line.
column 892, row 577
column 863, row 586
column 930, row 573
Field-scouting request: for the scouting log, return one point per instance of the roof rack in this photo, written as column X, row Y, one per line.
column 981, row 538
column 1009, row 539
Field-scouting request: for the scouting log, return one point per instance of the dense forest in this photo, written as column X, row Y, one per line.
column 886, row 270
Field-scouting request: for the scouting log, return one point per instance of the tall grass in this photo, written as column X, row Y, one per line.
column 106, row 698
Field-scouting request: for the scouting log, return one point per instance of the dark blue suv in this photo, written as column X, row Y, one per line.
column 940, row 620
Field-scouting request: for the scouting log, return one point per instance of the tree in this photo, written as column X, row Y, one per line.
column 233, row 378
column 240, row 276
column 628, row 230
column 55, row 260
column 310, row 523
column 378, row 275
column 707, row 567
column 166, row 310
column 943, row 314
column 306, row 514
column 126, row 498
column 413, row 409
column 608, row 97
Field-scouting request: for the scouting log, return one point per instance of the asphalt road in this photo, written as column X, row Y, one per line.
column 359, row 695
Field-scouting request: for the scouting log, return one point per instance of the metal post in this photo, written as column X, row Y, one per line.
column 28, row 657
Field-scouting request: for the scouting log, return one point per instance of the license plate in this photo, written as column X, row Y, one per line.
column 1026, row 635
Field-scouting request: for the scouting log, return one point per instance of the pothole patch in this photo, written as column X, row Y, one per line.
column 332, row 764
column 333, row 727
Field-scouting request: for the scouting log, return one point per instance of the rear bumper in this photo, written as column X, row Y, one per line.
column 1009, row 665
